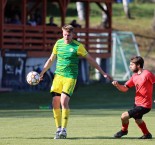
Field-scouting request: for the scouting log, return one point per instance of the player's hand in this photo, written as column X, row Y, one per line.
column 41, row 77
column 115, row 83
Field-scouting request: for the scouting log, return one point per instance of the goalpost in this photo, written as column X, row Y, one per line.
column 124, row 47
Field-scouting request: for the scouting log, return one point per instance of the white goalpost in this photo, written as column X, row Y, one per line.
column 123, row 48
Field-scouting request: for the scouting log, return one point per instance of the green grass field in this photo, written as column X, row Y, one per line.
column 86, row 127
column 95, row 117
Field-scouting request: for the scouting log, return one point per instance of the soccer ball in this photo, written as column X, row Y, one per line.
column 33, row 78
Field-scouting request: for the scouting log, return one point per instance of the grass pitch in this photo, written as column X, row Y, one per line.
column 94, row 118
column 86, row 127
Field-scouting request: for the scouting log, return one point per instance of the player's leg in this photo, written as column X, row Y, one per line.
column 65, row 109
column 65, row 114
column 146, row 134
column 56, row 90
column 125, row 122
column 68, row 88
column 57, row 115
column 141, row 124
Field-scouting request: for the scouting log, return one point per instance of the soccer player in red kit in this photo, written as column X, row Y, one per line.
column 143, row 81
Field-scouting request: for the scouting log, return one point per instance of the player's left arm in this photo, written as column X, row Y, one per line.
column 94, row 64
column 82, row 52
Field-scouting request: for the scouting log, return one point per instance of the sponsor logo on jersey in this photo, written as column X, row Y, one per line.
column 71, row 49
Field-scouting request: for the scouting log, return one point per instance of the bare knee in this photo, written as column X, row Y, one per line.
column 65, row 101
column 125, row 116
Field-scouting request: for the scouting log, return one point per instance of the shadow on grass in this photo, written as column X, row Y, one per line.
column 77, row 138
column 26, row 138
column 101, row 137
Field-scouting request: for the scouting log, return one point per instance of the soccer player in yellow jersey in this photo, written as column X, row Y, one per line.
column 67, row 52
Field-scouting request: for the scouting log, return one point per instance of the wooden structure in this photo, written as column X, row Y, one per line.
column 38, row 40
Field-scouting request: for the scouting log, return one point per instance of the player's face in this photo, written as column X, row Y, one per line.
column 133, row 67
column 68, row 36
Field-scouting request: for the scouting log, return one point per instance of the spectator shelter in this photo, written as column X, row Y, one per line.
column 38, row 40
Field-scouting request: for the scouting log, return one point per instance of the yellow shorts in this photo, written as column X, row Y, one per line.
column 63, row 84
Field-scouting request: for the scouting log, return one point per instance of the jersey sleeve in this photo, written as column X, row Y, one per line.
column 130, row 83
column 55, row 49
column 82, row 51
column 151, row 77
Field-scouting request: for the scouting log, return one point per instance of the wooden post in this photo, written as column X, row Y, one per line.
column 63, row 9
column 109, row 8
column 44, row 23
column 87, row 10
column 1, row 24
column 44, row 12
column 24, row 20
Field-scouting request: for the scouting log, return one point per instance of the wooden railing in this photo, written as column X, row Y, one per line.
column 38, row 40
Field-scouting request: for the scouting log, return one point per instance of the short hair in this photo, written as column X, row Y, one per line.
column 68, row 28
column 138, row 60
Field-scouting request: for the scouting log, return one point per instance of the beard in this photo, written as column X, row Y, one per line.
column 135, row 70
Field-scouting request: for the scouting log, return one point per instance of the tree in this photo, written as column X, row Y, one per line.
column 80, row 10
column 126, row 8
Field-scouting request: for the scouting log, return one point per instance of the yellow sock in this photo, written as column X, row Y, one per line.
column 65, row 116
column 57, row 117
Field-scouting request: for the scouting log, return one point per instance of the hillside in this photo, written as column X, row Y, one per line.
column 141, row 25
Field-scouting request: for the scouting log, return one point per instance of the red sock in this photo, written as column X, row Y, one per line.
column 143, row 127
column 125, row 127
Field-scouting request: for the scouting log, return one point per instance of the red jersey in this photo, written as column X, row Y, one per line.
column 144, row 88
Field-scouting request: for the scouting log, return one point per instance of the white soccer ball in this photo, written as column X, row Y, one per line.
column 33, row 78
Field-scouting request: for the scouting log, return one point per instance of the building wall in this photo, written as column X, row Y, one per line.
column 30, row 64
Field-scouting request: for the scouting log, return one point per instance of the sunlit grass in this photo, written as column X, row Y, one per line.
column 86, row 127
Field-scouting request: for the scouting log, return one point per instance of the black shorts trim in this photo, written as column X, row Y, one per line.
column 55, row 94
column 58, row 94
column 138, row 111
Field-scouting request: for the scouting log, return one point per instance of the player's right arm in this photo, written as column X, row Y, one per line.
column 48, row 64
column 122, row 88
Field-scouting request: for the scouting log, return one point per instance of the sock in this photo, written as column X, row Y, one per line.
column 125, row 127
column 65, row 116
column 57, row 117
column 143, row 128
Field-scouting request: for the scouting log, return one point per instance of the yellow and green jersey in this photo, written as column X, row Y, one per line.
column 68, row 57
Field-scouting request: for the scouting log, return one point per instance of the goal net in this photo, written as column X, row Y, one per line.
column 124, row 47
